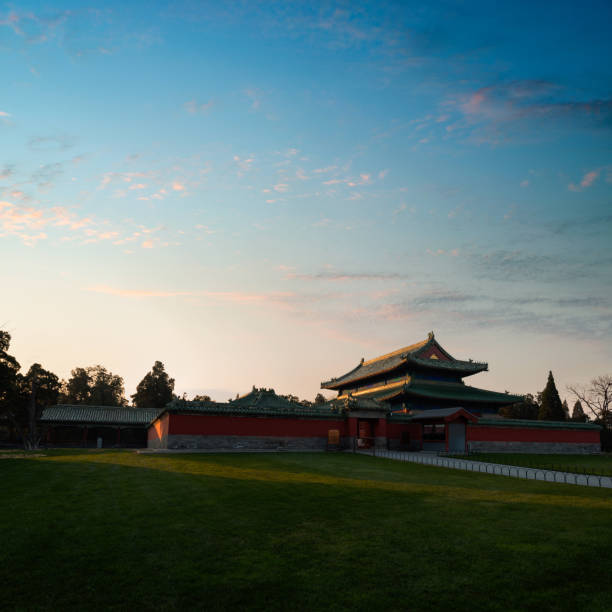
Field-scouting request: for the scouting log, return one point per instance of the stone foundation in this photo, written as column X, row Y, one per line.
column 551, row 448
column 244, row 443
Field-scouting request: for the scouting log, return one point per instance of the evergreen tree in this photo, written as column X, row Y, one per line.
column 527, row 409
column 566, row 410
column 578, row 413
column 23, row 397
column 155, row 390
column 551, row 408
column 9, row 372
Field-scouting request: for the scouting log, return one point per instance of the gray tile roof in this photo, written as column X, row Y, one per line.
column 99, row 415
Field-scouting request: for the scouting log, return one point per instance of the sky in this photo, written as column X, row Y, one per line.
column 263, row 193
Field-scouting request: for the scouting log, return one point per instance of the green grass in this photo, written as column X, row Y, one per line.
column 111, row 530
column 581, row 464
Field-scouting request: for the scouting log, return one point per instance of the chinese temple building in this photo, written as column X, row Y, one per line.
column 420, row 377
column 412, row 399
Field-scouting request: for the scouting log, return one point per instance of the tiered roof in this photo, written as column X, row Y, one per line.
column 425, row 354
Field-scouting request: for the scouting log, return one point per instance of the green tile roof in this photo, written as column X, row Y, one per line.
column 434, row 390
column 459, row 392
column 537, row 424
column 99, row 415
column 259, row 402
column 409, row 355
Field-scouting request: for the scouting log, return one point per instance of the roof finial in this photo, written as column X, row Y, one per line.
column 430, row 335
column 362, row 360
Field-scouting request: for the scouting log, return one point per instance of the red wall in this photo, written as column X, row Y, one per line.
column 394, row 430
column 485, row 433
column 159, row 428
column 220, row 425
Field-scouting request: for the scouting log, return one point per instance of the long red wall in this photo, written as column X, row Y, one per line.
column 484, row 433
column 220, row 425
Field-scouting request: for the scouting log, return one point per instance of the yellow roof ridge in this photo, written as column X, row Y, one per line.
column 406, row 349
column 399, row 383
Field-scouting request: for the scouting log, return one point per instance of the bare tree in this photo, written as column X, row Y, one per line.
column 597, row 397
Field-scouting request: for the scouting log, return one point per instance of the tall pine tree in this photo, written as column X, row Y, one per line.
column 566, row 410
column 155, row 390
column 578, row 413
column 551, row 408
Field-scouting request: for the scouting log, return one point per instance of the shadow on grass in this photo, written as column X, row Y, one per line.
column 119, row 531
column 365, row 473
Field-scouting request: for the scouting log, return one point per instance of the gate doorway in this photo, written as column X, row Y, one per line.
column 365, row 434
column 456, row 437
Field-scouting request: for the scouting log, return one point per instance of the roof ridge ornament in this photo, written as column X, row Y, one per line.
column 430, row 335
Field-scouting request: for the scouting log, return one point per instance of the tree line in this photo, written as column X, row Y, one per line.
column 547, row 405
column 23, row 396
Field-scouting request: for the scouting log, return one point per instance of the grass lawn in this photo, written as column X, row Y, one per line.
column 93, row 530
column 581, row 464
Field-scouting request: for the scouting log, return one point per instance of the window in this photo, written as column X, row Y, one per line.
column 434, row 432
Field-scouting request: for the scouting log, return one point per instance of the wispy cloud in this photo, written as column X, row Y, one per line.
column 255, row 97
column 223, row 296
column 587, row 180
column 51, row 143
column 7, row 171
column 20, row 221
column 194, row 107
column 244, row 163
column 508, row 111
column 346, row 276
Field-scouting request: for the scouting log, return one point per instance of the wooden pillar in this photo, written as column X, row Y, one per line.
column 84, row 436
column 118, row 436
column 352, row 430
column 381, row 432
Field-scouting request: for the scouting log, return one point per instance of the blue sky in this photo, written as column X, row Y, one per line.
column 265, row 193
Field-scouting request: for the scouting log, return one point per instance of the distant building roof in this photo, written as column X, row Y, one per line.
column 68, row 414
column 414, row 354
column 258, row 402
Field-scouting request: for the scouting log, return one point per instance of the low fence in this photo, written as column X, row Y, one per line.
column 498, row 469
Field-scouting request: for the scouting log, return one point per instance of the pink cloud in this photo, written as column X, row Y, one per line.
column 587, row 180
column 474, row 102
column 277, row 298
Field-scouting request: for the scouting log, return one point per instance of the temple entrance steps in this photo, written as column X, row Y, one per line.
column 496, row 469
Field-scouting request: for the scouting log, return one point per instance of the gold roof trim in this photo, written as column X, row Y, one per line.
column 406, row 349
column 399, row 383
